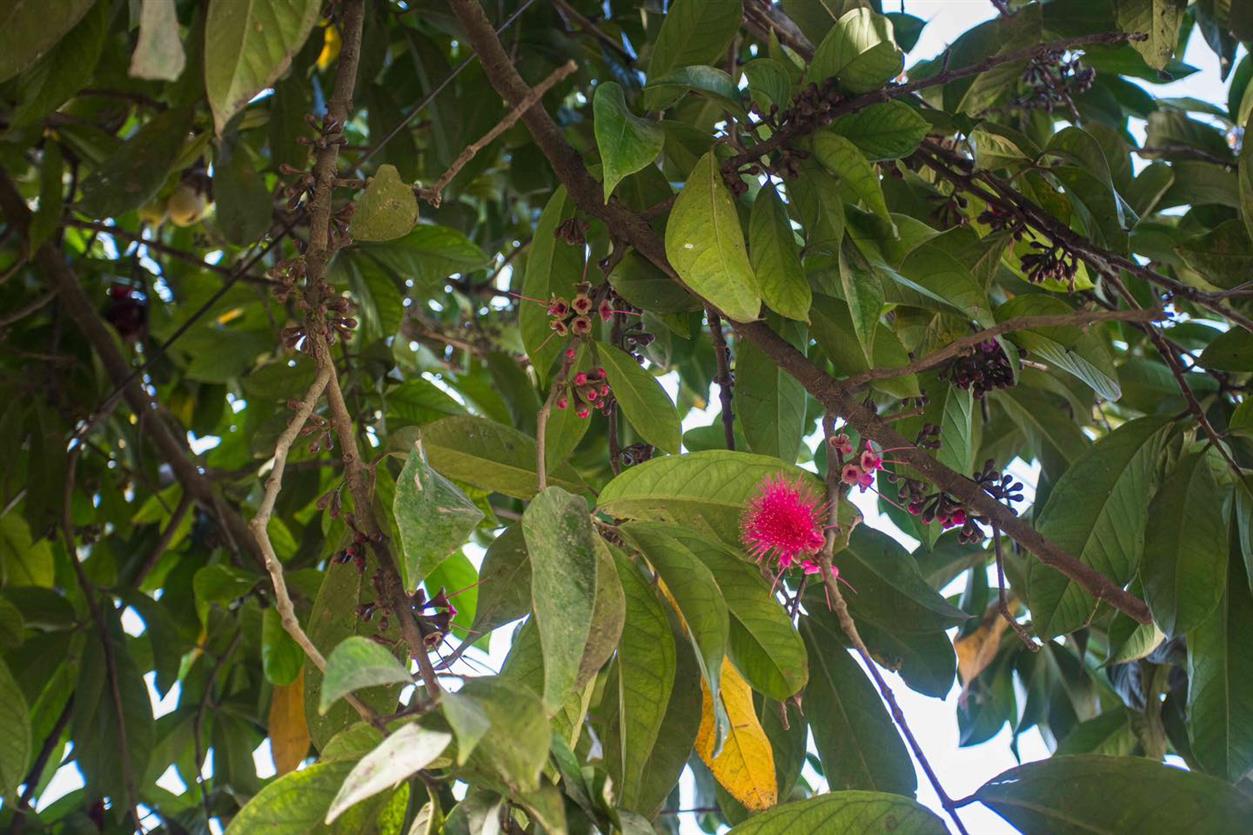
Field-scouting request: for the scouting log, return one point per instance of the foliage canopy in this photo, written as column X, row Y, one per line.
column 307, row 305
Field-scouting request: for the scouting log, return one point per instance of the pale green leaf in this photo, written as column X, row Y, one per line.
column 642, row 399
column 626, row 142
column 388, row 209
column 433, row 518
column 357, row 663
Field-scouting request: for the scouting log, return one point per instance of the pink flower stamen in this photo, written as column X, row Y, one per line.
column 783, row 521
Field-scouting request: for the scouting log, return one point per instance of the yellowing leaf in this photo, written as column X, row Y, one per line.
column 976, row 650
column 289, row 732
column 331, row 43
column 745, row 767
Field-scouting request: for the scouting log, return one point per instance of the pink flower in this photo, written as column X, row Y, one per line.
column 784, row 520
column 813, row 567
column 842, row 444
column 870, row 461
column 851, row 475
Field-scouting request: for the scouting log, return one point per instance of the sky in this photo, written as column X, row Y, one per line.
column 933, row 721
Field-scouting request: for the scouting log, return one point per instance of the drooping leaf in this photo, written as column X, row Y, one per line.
column 1185, row 547
column 357, row 663
column 643, row 400
column 248, row 45
column 855, row 737
column 289, row 732
column 626, row 142
column 706, row 246
column 1097, row 511
column 1113, row 795
column 838, row 813
column 775, row 259
column 243, row 203
column 404, row 752
column 433, row 518
column 744, row 765
column 564, row 554
column 159, row 54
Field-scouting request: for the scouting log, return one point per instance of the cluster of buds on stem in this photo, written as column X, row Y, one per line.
column 588, row 390
column 811, row 109
column 434, row 616
column 984, row 368
column 1004, row 220
column 317, row 427
column 286, row 274
column 575, row 316
column 354, row 552
column 1052, row 80
column 1051, row 261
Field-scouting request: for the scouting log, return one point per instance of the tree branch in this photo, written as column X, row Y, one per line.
column 586, row 193
column 957, row 347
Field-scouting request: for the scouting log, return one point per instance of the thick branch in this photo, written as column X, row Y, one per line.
column 957, row 347
column 586, row 193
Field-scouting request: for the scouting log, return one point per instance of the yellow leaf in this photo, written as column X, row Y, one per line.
column 976, row 651
column 745, row 768
column 289, row 732
column 331, row 43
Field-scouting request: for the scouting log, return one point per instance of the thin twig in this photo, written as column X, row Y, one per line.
column 38, row 303
column 1002, row 603
column 434, row 193
column 724, row 380
column 957, row 347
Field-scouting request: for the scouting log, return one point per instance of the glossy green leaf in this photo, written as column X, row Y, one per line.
column 1231, row 351
column 694, row 32
column 248, row 45
column 706, row 246
column 846, row 813
column 1184, row 567
column 357, row 663
column 387, row 209
column 1097, row 511
column 626, row 142
column 433, row 518
column 282, row 659
column 563, row 550
column 642, row 399
column 1113, row 795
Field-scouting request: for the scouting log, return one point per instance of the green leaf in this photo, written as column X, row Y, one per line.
column 859, row 52
column 356, row 663
column 816, row 197
column 646, row 672
column 1083, row 354
column 1185, row 546
column 764, row 645
column 459, row 579
column 626, row 142
column 699, row 601
column 643, row 400
column 890, row 589
column 846, row 813
column 516, row 747
column 775, row 258
column 553, row 268
column 30, row 31
column 842, row 158
column 833, row 328
column 433, row 518
column 14, row 734
column 294, row 804
column 663, row 91
column 282, row 659
column 1231, row 351
column 403, row 753
column 863, row 293
column 706, row 247
column 883, row 131
column 489, row 455
column 563, row 549
column 608, row 617
column 769, row 402
column 925, row 661
column 220, row 585
column 243, row 203
column 1113, row 795
column 387, row 210
column 159, row 52
column 703, row 491
column 957, row 450
column 63, row 71
column 1223, row 256
column 1109, row 733
column 133, row 174
column 428, row 255
column 504, row 582
column 856, row 739
column 768, row 82
column 248, row 45
column 1097, row 511
column 1220, row 681
column 694, row 32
